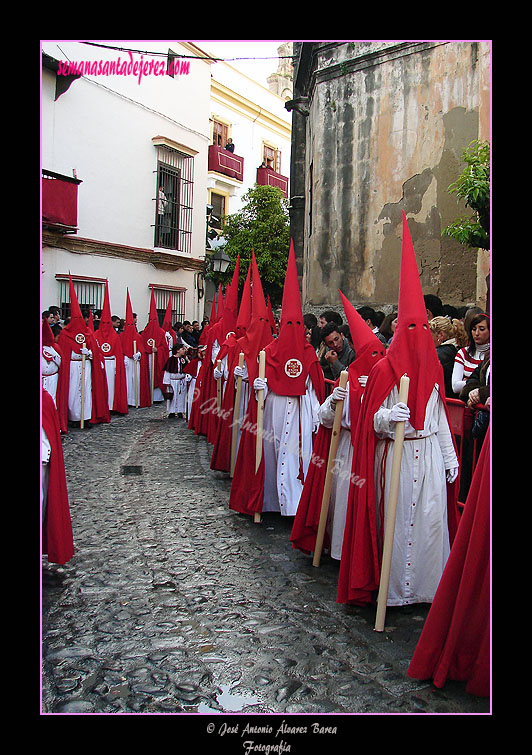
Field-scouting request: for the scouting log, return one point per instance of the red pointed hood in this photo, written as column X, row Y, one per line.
column 258, row 334
column 47, row 335
column 289, row 357
column 412, row 351
column 227, row 322
column 244, row 312
column 106, row 335
column 220, row 305
column 106, row 326
column 77, row 329
column 271, row 318
column 153, row 334
column 167, row 322
column 130, row 333
column 368, row 349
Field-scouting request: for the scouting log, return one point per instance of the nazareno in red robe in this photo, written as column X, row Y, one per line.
column 72, row 337
column 130, row 340
column 412, row 352
column 111, row 345
column 57, row 538
column 247, row 490
column 154, row 335
column 455, row 641
column 368, row 351
column 221, row 452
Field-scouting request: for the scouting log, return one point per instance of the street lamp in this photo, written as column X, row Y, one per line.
column 219, row 261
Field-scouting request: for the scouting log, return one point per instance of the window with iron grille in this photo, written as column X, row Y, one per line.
column 177, row 303
column 89, row 292
column 173, row 203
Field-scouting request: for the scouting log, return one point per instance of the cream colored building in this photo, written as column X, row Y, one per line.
column 255, row 118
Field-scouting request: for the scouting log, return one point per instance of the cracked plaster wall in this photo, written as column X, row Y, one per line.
column 383, row 135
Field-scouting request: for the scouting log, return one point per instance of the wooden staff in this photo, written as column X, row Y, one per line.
column 153, row 350
column 331, row 461
column 136, row 375
column 260, row 418
column 82, row 420
column 219, row 388
column 236, row 413
column 391, row 509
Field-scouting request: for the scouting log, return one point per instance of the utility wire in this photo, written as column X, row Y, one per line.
column 178, row 55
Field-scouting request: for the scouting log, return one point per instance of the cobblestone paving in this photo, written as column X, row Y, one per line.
column 175, row 604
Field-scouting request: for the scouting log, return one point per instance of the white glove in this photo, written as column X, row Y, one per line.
column 239, row 371
column 136, row 356
column 363, row 379
column 188, row 377
column 261, row 384
column 338, row 394
column 86, row 351
column 217, row 373
column 452, row 474
column 399, row 413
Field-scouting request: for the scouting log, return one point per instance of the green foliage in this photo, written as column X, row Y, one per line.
column 473, row 187
column 261, row 225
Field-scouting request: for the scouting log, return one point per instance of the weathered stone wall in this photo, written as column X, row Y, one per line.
column 386, row 127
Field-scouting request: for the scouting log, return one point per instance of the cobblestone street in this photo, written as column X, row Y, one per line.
column 175, row 604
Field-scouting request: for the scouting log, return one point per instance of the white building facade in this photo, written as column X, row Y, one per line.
column 124, row 151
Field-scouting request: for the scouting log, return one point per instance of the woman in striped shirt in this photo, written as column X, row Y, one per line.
column 469, row 357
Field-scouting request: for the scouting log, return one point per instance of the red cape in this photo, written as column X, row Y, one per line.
column 221, row 452
column 110, row 345
column 154, row 335
column 57, row 538
column 131, row 339
column 455, row 641
column 306, row 520
column 247, row 489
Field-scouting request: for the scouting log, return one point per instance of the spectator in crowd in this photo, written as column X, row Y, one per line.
column 448, row 336
column 189, row 335
column 434, row 306
column 373, row 320
column 55, row 324
column 468, row 358
column 387, row 327
column 339, row 353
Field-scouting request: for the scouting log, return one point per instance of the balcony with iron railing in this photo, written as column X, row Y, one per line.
column 59, row 202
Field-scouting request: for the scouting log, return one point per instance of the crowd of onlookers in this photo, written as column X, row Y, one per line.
column 461, row 337
column 188, row 332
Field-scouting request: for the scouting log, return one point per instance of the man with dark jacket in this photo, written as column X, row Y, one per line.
column 339, row 354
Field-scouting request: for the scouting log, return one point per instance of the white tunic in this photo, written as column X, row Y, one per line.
column 178, row 381
column 50, row 370
column 74, row 390
column 110, row 374
column 341, row 475
column 421, row 542
column 131, row 366
column 282, row 488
